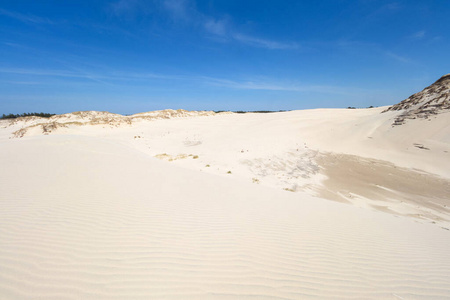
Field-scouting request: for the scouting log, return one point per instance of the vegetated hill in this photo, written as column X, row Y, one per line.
column 81, row 118
column 432, row 100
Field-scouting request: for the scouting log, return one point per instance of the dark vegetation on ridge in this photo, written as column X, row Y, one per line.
column 13, row 116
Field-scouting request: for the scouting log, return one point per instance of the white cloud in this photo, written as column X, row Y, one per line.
column 129, row 78
column 178, row 9
column 217, row 27
column 397, row 57
column 55, row 73
column 25, row 18
column 38, row 72
column 357, row 47
column 184, row 11
column 20, row 82
column 83, row 74
column 277, row 85
column 419, row 35
column 221, row 27
column 263, row 43
column 127, row 8
column 393, row 6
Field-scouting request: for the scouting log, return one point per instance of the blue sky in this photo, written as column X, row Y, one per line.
column 129, row 56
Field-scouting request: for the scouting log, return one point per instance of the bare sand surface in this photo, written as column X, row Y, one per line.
column 180, row 205
column 382, row 185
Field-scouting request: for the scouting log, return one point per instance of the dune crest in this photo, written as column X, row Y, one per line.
column 82, row 118
column 433, row 100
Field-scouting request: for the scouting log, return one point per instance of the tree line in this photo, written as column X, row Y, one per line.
column 14, row 116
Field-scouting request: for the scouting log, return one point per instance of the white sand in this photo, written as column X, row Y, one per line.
column 88, row 212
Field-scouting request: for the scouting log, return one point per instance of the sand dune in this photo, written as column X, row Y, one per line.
column 298, row 151
column 288, row 150
column 198, row 205
column 134, row 227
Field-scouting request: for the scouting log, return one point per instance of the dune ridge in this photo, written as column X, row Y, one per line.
column 82, row 118
column 292, row 151
column 434, row 99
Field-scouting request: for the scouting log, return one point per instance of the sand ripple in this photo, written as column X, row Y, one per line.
column 101, row 222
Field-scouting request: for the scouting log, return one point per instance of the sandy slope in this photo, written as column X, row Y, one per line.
column 84, row 218
column 89, row 212
column 402, row 169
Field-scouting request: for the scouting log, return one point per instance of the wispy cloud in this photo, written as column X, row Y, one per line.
column 123, row 6
column 277, row 85
column 130, row 78
column 419, row 35
column 224, row 29
column 25, row 18
column 14, row 45
column 186, row 13
column 178, row 9
column 58, row 73
column 216, row 27
column 365, row 48
column 104, row 78
column 393, row 6
column 39, row 72
column 132, row 10
column 397, row 57
column 249, row 84
column 424, row 37
column 263, row 43
column 20, row 82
